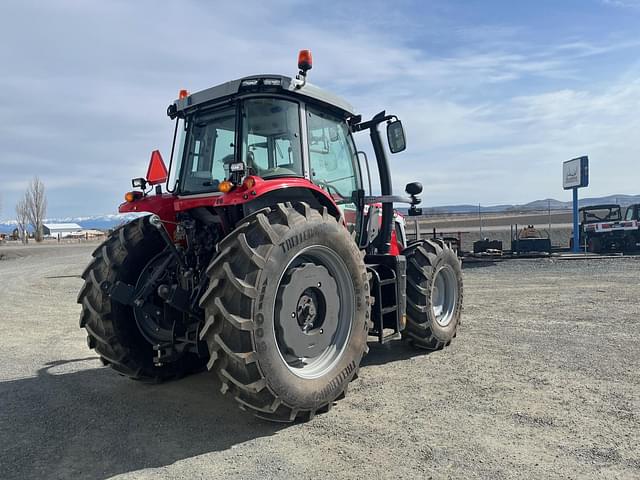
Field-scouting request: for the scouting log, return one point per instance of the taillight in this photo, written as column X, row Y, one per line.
column 225, row 186
column 132, row 196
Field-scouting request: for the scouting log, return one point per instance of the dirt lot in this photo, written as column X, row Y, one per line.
column 542, row 382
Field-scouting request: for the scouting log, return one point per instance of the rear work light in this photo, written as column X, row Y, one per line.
column 236, row 167
column 139, row 183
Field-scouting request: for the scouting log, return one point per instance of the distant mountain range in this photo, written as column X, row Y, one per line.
column 536, row 205
column 97, row 222
column 106, row 222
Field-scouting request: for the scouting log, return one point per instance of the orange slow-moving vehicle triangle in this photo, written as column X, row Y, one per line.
column 157, row 172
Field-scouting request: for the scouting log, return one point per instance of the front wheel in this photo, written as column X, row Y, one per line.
column 287, row 312
column 434, row 294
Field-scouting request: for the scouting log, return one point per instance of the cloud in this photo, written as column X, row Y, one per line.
column 87, row 85
column 622, row 3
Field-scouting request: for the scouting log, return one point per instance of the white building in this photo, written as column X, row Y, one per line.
column 61, row 230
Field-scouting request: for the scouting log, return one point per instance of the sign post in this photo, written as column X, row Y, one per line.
column 575, row 175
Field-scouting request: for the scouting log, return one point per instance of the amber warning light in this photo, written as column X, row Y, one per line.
column 305, row 60
column 132, row 196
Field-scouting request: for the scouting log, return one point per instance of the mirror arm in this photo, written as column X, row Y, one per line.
column 390, row 199
column 374, row 122
column 383, row 241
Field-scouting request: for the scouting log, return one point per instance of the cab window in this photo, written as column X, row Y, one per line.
column 629, row 215
column 209, row 151
column 271, row 137
column 332, row 156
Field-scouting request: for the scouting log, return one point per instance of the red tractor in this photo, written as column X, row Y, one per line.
column 264, row 260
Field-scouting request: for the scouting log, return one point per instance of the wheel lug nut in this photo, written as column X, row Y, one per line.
column 319, row 284
column 321, row 331
column 293, row 314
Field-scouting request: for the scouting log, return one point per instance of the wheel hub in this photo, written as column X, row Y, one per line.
column 308, row 310
column 308, row 313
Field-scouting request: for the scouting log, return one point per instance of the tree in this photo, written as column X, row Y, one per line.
column 35, row 201
column 22, row 219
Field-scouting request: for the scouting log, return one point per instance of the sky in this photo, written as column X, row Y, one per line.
column 494, row 95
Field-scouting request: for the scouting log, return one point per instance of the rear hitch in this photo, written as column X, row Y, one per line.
column 155, row 221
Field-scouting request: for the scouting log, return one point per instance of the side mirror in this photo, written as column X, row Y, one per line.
column 395, row 136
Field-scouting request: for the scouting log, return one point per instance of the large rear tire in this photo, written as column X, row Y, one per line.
column 111, row 327
column 434, row 294
column 287, row 312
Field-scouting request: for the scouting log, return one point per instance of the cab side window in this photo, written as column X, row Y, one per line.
column 629, row 215
column 332, row 156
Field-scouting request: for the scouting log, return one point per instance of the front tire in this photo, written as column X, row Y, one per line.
column 434, row 294
column 287, row 312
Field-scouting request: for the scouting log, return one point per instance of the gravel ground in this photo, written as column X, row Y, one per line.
column 542, row 382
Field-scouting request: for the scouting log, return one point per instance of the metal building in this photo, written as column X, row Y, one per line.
column 60, row 230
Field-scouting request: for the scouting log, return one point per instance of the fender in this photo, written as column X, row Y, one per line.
column 162, row 205
column 167, row 205
column 241, row 195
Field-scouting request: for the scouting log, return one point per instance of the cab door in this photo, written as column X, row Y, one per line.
column 333, row 163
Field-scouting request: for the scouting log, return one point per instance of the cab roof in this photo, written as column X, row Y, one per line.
column 277, row 84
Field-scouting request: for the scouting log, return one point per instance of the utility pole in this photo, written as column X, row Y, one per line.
column 480, row 220
column 576, row 225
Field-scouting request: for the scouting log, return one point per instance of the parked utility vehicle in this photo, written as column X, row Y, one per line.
column 602, row 228
column 264, row 259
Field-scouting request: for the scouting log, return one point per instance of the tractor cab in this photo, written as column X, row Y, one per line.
column 259, row 132
column 250, row 140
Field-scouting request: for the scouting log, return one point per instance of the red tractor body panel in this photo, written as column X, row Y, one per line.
column 240, row 195
column 161, row 205
column 167, row 205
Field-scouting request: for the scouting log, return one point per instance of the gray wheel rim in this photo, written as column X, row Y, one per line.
column 444, row 295
column 337, row 303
